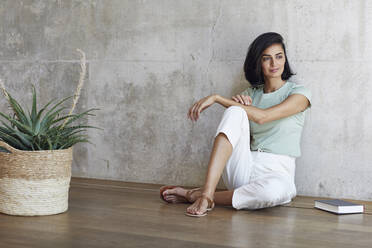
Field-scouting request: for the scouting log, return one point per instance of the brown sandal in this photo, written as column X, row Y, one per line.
column 209, row 207
column 188, row 194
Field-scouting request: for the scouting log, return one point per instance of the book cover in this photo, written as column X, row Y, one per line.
column 338, row 206
column 337, row 202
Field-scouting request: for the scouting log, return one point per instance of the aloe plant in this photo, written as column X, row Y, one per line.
column 37, row 131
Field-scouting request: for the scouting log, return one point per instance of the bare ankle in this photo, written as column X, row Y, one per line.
column 208, row 194
column 196, row 195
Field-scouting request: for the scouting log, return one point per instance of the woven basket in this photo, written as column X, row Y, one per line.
column 34, row 182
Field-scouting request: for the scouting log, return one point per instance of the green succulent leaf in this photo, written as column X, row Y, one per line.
column 22, row 127
column 18, row 111
column 34, row 110
column 37, row 130
column 12, row 141
column 6, row 130
column 24, row 138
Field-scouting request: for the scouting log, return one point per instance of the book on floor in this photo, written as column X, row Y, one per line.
column 338, row 206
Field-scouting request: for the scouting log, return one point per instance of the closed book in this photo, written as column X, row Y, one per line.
column 339, row 206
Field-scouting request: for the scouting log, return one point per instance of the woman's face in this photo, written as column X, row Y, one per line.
column 272, row 61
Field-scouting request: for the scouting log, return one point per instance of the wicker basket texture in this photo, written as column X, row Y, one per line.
column 34, row 182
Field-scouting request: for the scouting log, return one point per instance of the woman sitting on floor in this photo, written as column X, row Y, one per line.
column 258, row 138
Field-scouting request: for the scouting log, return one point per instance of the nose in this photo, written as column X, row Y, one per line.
column 273, row 62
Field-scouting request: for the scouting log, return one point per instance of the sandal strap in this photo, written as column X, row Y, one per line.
column 189, row 193
column 209, row 200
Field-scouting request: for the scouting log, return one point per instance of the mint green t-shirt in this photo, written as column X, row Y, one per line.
column 280, row 136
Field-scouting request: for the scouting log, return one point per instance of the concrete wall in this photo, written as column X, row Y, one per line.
column 148, row 61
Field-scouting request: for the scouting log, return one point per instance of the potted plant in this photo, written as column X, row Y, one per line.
column 36, row 153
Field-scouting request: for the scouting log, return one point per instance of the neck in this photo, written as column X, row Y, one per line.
column 272, row 84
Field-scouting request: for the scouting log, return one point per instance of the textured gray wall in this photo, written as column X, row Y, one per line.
column 148, row 61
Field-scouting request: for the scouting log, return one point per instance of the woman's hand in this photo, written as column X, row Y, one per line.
column 200, row 105
column 242, row 99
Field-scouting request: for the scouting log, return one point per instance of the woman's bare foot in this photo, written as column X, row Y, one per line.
column 200, row 206
column 181, row 195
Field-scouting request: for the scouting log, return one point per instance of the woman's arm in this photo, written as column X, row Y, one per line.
column 292, row 105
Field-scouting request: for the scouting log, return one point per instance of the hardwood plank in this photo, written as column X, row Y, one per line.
column 120, row 214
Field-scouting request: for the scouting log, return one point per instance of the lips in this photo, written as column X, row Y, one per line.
column 274, row 70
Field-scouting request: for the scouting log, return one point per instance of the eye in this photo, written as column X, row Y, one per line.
column 265, row 58
column 279, row 56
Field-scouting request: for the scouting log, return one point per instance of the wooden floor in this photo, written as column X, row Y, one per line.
column 117, row 214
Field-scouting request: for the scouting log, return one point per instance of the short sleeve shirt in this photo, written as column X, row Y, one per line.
column 280, row 136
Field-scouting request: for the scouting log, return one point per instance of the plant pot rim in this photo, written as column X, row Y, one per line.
column 15, row 150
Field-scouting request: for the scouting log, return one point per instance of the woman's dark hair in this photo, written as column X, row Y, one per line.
column 252, row 65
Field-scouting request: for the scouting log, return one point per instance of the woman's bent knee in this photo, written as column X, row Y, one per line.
column 236, row 109
column 262, row 194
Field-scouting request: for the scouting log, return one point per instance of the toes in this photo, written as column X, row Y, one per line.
column 170, row 198
column 197, row 207
column 165, row 192
column 191, row 210
column 171, row 191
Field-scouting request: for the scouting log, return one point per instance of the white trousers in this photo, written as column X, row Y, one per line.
column 259, row 179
